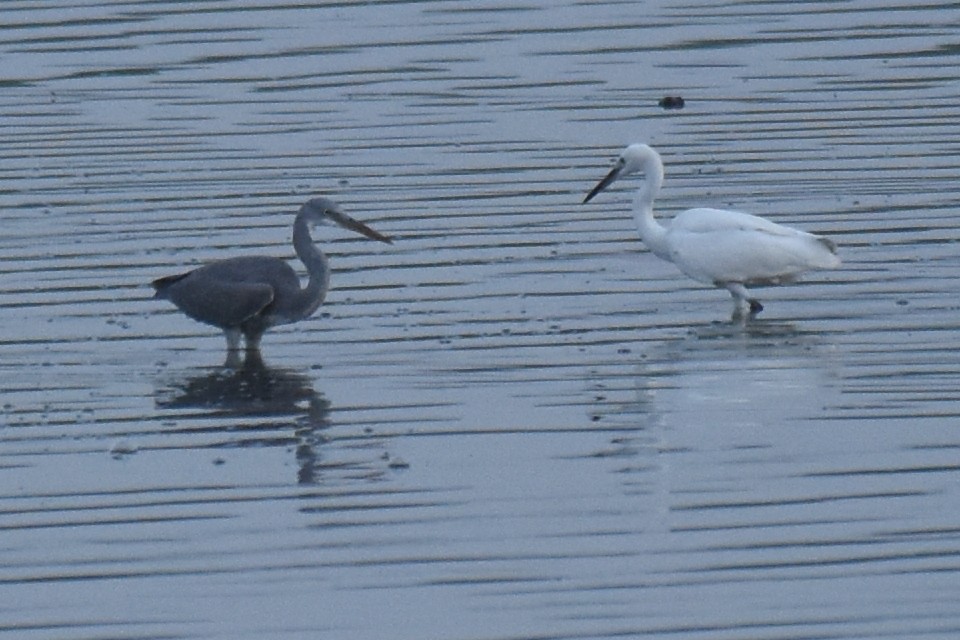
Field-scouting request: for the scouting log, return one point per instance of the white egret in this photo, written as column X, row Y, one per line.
column 726, row 249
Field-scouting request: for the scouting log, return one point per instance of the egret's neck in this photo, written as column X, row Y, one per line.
column 313, row 259
column 652, row 233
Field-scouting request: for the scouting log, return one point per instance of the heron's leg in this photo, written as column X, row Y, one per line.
column 233, row 339
column 253, row 361
column 742, row 300
column 233, row 348
column 253, row 340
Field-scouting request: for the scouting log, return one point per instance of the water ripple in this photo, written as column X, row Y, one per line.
column 514, row 422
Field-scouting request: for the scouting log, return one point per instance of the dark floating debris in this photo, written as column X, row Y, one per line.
column 398, row 463
column 122, row 448
column 671, row 102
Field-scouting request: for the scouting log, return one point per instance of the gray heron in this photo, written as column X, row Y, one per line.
column 247, row 295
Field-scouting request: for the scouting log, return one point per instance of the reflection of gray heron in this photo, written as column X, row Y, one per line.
column 253, row 405
column 250, row 294
column 727, row 249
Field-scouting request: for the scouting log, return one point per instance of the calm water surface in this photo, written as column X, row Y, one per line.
column 514, row 422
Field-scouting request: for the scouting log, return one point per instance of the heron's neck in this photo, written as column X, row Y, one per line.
column 653, row 234
column 311, row 296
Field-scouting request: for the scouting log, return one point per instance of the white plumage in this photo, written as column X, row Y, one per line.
column 723, row 248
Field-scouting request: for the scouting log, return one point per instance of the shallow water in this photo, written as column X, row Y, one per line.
column 514, row 422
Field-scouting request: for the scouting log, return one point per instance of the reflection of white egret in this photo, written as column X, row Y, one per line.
column 727, row 249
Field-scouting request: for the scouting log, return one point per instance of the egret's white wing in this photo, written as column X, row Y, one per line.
column 718, row 246
column 704, row 220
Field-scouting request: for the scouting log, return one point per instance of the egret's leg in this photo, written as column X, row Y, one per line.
column 742, row 299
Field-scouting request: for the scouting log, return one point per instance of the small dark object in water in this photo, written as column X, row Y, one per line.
column 671, row 102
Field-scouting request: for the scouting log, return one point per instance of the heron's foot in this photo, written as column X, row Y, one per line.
column 233, row 359
column 252, row 359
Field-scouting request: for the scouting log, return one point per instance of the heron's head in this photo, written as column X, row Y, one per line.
column 325, row 211
column 636, row 158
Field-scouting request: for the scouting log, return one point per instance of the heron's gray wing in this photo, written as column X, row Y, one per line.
column 218, row 302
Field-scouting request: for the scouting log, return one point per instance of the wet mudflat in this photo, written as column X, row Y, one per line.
column 514, row 422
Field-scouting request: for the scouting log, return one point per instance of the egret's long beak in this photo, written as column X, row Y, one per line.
column 606, row 182
column 347, row 222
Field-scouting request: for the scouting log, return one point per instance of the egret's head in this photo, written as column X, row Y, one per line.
column 636, row 158
column 325, row 211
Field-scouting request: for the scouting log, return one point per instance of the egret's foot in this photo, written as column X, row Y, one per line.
column 743, row 305
column 745, row 309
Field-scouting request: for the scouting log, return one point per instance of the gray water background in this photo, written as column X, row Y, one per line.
column 514, row 422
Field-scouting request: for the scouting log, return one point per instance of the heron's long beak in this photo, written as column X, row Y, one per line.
column 606, row 182
column 347, row 222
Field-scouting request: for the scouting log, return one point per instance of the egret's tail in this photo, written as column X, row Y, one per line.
column 830, row 259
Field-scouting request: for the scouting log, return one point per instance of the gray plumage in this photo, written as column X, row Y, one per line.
column 248, row 295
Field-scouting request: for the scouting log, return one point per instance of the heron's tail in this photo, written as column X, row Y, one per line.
column 163, row 284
